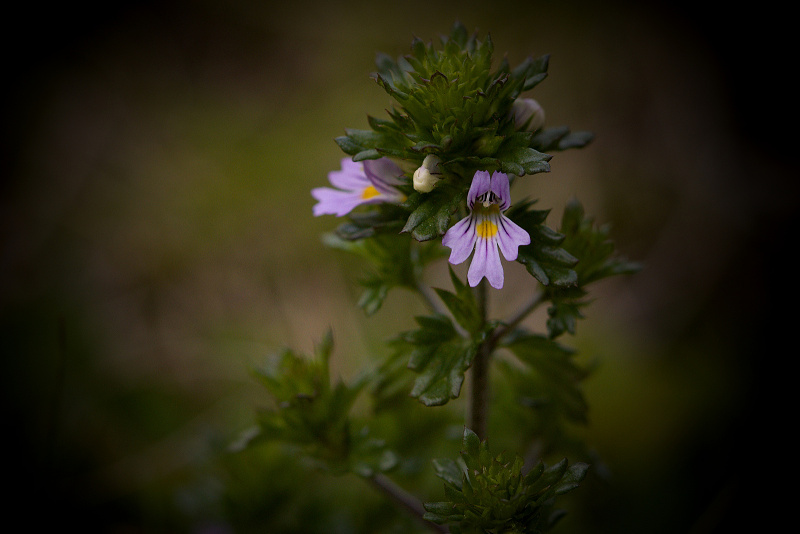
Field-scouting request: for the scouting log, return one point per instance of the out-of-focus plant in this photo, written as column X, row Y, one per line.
column 437, row 174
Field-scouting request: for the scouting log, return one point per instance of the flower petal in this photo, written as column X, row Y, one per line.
column 355, row 187
column 481, row 183
column 510, row 237
column 383, row 170
column 351, row 177
column 461, row 239
column 486, row 262
column 333, row 202
column 502, row 189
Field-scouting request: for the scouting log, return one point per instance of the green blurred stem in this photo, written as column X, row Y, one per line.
column 403, row 499
column 479, row 399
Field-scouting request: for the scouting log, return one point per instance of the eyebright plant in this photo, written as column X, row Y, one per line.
column 438, row 174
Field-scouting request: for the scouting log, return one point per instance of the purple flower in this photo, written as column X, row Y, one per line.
column 485, row 229
column 368, row 182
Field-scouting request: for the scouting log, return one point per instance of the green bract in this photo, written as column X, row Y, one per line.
column 451, row 103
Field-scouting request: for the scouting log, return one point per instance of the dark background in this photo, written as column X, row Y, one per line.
column 157, row 241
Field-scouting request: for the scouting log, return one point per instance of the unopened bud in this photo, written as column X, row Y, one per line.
column 528, row 114
column 427, row 175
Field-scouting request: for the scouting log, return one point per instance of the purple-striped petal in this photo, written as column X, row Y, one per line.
column 486, row 262
column 383, row 170
column 461, row 239
column 502, row 189
column 510, row 237
column 355, row 187
column 481, row 183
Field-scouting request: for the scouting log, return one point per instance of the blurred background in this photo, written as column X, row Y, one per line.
column 157, row 243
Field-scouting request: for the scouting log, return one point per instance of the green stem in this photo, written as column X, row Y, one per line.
column 479, row 399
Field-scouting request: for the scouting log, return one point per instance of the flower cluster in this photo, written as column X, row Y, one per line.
column 485, row 230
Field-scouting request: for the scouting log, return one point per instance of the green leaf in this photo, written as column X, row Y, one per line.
column 591, row 244
column 523, row 160
column 448, row 470
column 550, row 381
column 575, row 140
column 439, row 355
column 462, row 305
column 560, row 138
column 312, row 415
column 572, row 478
column 550, row 264
column 563, row 317
column 430, row 217
column 471, row 449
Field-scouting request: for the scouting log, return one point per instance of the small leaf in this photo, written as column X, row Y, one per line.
column 551, row 265
column 448, row 470
column 431, row 217
column 440, row 357
column 471, row 444
column 523, row 160
column 462, row 305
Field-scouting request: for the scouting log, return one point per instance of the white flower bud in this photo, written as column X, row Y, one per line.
column 427, row 175
column 528, row 114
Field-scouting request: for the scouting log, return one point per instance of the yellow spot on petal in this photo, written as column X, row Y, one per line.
column 486, row 229
column 370, row 192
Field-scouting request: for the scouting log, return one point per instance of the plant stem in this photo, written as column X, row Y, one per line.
column 405, row 501
column 479, row 401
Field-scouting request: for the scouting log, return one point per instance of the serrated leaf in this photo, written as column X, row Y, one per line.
column 431, row 216
column 448, row 470
column 575, row 140
column 550, row 375
column 523, row 160
column 559, row 138
column 440, row 357
column 572, row 478
column 551, row 265
column 462, row 305
column 395, row 260
column 312, row 414
column 597, row 260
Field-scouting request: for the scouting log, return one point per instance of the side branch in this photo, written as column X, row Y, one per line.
column 406, row 501
column 536, row 300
